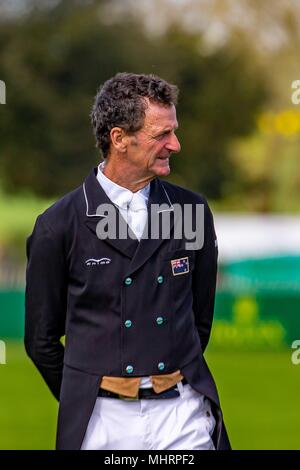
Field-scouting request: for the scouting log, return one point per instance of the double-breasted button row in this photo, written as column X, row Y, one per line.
column 128, row 281
column 159, row 321
column 129, row 369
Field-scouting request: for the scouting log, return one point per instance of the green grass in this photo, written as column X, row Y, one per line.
column 27, row 410
column 259, row 393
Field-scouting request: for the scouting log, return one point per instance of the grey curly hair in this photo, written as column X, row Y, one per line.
column 120, row 102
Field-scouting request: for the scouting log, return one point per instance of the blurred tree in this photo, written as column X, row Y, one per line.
column 220, row 96
column 55, row 58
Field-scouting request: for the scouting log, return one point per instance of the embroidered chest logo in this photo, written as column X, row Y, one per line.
column 180, row 266
column 96, row 262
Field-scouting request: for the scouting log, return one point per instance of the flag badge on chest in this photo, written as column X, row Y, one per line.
column 180, row 266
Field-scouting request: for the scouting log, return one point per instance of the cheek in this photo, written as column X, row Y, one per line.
column 155, row 151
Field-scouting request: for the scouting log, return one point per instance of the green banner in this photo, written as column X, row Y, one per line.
column 257, row 306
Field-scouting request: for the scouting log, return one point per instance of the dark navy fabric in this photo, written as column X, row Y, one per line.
column 91, row 289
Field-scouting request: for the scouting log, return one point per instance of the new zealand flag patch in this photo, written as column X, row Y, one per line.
column 180, row 266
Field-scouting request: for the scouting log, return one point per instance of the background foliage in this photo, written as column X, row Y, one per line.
column 54, row 61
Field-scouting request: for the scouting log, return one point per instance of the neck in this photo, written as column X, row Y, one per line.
column 125, row 177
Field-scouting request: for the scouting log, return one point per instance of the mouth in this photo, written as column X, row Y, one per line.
column 164, row 158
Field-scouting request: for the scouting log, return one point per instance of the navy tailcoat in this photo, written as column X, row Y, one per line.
column 87, row 288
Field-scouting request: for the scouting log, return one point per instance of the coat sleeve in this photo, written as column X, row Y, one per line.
column 204, row 280
column 45, row 303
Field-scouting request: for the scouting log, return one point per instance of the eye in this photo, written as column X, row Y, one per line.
column 164, row 134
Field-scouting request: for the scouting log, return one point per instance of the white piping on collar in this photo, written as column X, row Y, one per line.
column 87, row 205
column 171, row 205
column 104, row 215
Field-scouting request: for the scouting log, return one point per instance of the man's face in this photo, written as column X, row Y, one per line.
column 150, row 148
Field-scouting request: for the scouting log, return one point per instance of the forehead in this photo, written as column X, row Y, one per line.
column 159, row 117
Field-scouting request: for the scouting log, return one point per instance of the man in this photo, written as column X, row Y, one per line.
column 136, row 309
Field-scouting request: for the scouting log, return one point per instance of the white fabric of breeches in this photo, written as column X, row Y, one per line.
column 182, row 423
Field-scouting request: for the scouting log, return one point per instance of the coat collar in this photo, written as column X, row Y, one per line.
column 159, row 202
column 94, row 195
column 119, row 195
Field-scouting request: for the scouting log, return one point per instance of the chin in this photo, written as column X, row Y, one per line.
column 162, row 171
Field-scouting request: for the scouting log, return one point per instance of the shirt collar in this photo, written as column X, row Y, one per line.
column 118, row 194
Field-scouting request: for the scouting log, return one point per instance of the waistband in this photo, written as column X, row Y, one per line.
column 144, row 393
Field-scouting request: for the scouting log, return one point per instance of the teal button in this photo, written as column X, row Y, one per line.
column 161, row 365
column 159, row 320
column 128, row 281
column 128, row 323
column 129, row 369
column 160, row 279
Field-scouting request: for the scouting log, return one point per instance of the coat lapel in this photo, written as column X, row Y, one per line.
column 95, row 201
column 159, row 226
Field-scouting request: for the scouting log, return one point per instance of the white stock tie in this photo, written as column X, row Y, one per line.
column 137, row 214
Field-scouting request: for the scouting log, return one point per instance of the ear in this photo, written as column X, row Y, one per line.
column 119, row 139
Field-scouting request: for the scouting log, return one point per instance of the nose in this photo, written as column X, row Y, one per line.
column 173, row 144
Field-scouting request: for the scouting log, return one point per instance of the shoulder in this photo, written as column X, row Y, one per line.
column 183, row 195
column 58, row 217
